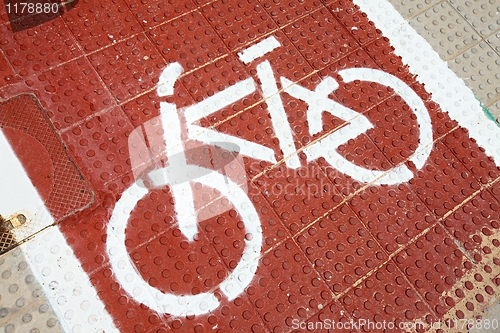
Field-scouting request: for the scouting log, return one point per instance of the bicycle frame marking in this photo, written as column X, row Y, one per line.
column 318, row 102
column 187, row 219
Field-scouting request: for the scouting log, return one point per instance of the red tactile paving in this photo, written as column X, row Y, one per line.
column 214, row 77
column 237, row 24
column 65, row 94
column 472, row 156
column 321, row 38
column 151, row 13
column 100, row 146
column 444, row 182
column 399, row 139
column 129, row 68
column 341, row 249
column 288, row 288
column 382, row 53
column 358, row 95
column 393, row 215
column 333, row 248
column 188, row 40
column 284, row 12
column 356, row 22
column 473, row 221
column 146, row 107
column 7, row 75
column 97, row 25
column 386, row 296
column 288, row 60
column 299, row 197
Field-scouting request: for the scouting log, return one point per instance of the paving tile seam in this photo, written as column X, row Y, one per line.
column 278, row 29
column 292, row 238
column 8, row 62
column 26, row 309
column 89, row 118
column 87, row 54
column 281, row 90
column 362, row 189
column 30, row 237
column 470, row 23
column 465, row 49
column 241, row 47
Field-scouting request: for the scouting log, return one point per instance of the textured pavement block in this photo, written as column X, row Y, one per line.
column 333, row 246
column 473, row 222
column 244, row 23
column 480, row 68
column 286, row 11
column 129, row 68
column 288, row 287
column 151, row 13
column 40, row 48
column 24, row 307
column 468, row 152
column 318, row 44
column 341, row 249
column 450, row 184
column 394, row 216
column 482, row 15
column 63, row 92
column 389, row 287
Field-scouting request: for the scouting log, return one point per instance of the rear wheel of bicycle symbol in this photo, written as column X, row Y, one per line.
column 182, row 305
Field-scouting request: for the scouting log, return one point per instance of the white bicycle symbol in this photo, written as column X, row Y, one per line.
column 179, row 175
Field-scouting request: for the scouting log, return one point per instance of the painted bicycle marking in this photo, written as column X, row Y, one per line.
column 179, row 174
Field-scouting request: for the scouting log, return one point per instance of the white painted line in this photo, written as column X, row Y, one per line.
column 219, row 100
column 447, row 89
column 279, row 118
column 167, row 79
column 64, row 282
column 183, row 193
column 258, row 50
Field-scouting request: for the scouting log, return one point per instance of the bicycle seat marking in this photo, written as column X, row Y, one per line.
column 178, row 174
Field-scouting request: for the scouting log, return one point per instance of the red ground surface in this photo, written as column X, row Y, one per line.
column 337, row 249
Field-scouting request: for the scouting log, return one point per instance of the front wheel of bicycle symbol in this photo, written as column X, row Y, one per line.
column 182, row 305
